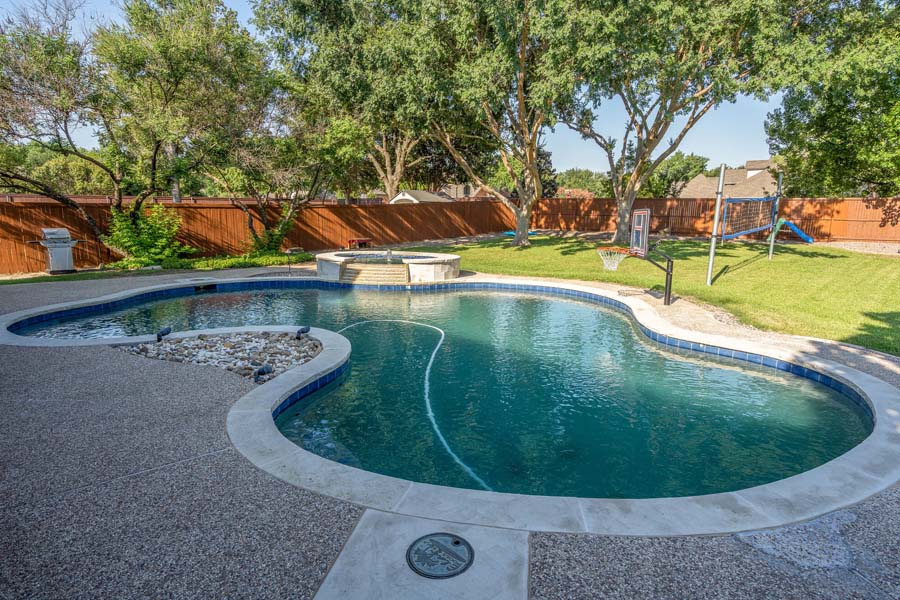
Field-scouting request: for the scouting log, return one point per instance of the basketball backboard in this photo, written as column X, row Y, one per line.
column 640, row 231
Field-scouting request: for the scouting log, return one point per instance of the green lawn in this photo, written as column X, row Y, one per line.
column 196, row 264
column 76, row 276
column 805, row 290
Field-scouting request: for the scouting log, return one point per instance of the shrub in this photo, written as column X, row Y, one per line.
column 131, row 262
column 257, row 259
column 149, row 239
column 270, row 240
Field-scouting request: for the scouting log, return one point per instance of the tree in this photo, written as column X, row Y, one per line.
column 669, row 64
column 502, row 70
column 49, row 89
column 177, row 71
column 74, row 176
column 363, row 58
column 156, row 90
column 584, row 179
column 673, row 174
column 839, row 132
column 276, row 173
column 502, row 181
column 272, row 153
column 70, row 174
column 439, row 167
column 344, row 153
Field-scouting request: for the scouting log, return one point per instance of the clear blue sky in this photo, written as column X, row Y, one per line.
column 732, row 134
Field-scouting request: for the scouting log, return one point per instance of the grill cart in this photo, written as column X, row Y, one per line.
column 59, row 246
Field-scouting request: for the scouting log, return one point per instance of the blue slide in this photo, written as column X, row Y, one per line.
column 800, row 233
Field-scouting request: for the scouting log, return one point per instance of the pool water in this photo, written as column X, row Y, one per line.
column 527, row 394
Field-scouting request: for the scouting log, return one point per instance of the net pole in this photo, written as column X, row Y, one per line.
column 775, row 218
column 712, row 238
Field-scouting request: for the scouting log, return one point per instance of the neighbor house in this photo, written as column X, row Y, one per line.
column 753, row 180
column 575, row 193
column 417, row 197
column 455, row 191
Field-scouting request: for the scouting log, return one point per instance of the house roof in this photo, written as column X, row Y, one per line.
column 420, row 196
column 482, row 192
column 758, row 165
column 574, row 193
column 455, row 190
column 737, row 183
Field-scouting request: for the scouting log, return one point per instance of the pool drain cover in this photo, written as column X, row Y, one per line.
column 440, row 555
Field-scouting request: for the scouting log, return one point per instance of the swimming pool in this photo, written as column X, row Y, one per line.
column 528, row 393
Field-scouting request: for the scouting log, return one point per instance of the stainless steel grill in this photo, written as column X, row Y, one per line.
column 59, row 246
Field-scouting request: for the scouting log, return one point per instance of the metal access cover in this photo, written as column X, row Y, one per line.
column 440, row 555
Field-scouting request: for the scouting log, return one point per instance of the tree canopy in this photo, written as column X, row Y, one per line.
column 177, row 72
column 596, row 182
column 838, row 130
column 158, row 89
column 346, row 95
column 672, row 174
column 503, row 71
column 365, row 62
column 668, row 64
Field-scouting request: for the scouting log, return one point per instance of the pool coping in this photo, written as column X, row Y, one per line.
column 414, row 258
column 863, row 471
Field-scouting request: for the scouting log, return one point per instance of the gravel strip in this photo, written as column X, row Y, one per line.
column 256, row 356
column 888, row 248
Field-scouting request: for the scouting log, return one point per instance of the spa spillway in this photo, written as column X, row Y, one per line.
column 387, row 267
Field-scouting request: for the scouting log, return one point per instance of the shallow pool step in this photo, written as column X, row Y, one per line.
column 375, row 274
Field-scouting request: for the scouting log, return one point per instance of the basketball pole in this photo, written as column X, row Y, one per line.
column 775, row 218
column 712, row 240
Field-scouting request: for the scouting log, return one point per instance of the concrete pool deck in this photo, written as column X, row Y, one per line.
column 128, row 486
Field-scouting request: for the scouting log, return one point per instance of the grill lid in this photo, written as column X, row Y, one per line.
column 57, row 234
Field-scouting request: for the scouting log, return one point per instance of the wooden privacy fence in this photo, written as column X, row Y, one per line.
column 218, row 226
column 826, row 219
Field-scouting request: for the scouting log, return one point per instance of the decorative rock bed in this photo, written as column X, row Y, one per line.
column 256, row 356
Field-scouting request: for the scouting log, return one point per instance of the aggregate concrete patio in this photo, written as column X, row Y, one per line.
column 117, row 479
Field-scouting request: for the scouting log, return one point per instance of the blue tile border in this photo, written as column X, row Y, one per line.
column 311, row 387
column 844, row 389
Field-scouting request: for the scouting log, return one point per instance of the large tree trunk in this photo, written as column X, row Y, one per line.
column 623, row 222
column 523, row 223
column 391, row 187
column 624, row 204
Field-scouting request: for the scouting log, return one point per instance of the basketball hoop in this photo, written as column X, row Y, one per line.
column 612, row 257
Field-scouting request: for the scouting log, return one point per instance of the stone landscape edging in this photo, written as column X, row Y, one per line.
column 864, row 470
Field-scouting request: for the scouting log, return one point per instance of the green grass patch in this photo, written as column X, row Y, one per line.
column 130, row 268
column 805, row 290
column 237, row 262
column 106, row 274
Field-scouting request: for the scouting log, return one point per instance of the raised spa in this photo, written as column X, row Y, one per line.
column 386, row 267
column 527, row 393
